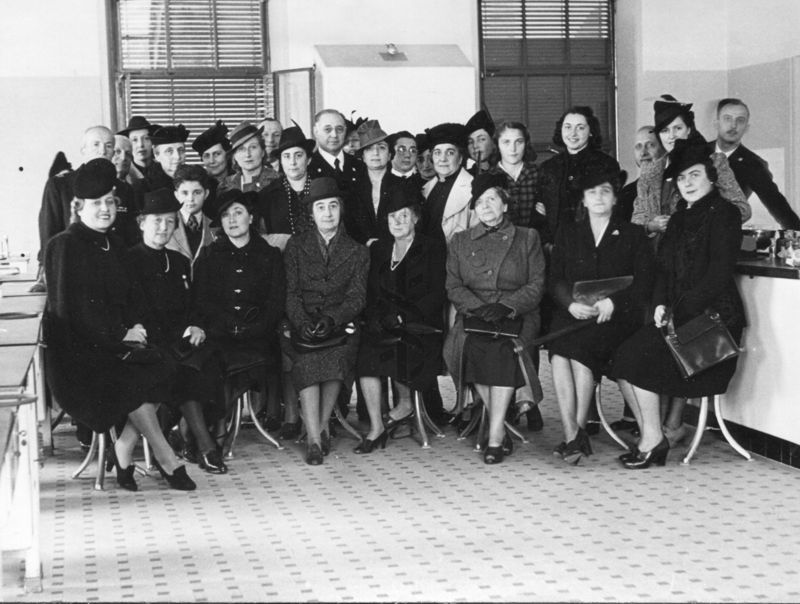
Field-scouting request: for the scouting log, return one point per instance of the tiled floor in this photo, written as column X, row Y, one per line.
column 407, row 524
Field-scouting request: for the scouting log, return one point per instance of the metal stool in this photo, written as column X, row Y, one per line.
column 98, row 448
column 478, row 420
column 420, row 414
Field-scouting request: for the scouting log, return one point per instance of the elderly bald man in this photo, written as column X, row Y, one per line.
column 123, row 158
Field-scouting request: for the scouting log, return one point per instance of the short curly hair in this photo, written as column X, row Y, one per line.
column 595, row 138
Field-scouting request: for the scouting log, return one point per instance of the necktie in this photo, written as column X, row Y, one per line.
column 337, row 165
column 192, row 223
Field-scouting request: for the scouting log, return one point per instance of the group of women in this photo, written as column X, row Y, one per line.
column 285, row 288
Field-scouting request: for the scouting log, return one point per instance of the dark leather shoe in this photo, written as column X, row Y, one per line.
column 493, row 455
column 190, row 453
column 624, row 425
column 593, row 427
column 314, row 455
column 179, row 479
column 326, row 443
column 125, row 478
column 534, row 418
column 212, row 462
column 644, row 459
column 289, row 430
column 508, row 444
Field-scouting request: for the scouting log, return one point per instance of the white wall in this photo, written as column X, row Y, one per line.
column 53, row 84
column 761, row 31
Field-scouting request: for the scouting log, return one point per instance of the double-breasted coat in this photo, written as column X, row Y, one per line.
column 317, row 284
column 179, row 241
column 88, row 313
column 483, row 267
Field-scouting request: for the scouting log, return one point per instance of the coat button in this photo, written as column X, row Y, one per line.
column 237, row 308
column 238, row 270
column 505, row 237
column 237, row 291
column 489, row 272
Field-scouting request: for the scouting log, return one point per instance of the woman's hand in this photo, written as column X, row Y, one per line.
column 137, row 333
column 605, row 308
column 658, row 224
column 308, row 331
column 196, row 335
column 582, row 311
column 658, row 315
column 493, row 312
column 323, row 327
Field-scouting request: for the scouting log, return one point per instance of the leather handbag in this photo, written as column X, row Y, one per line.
column 505, row 328
column 140, row 354
column 700, row 343
column 336, row 338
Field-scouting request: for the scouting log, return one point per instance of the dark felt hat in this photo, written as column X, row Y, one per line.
column 480, row 120
column 216, row 135
column 160, row 201
column 94, row 179
column 392, row 138
column 685, row 154
column 402, row 195
column 369, row 133
column 322, row 188
column 243, row 133
column 597, row 175
column 447, row 133
column 293, row 137
column 667, row 108
column 138, row 122
column 423, row 144
column 231, row 196
column 165, row 135
column 485, row 181
column 352, row 125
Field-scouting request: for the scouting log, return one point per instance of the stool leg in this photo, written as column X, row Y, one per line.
column 420, row 420
column 89, row 456
column 476, row 417
column 233, row 429
column 148, row 459
column 606, row 426
column 483, row 416
column 426, row 418
column 516, row 433
column 101, row 462
column 702, row 418
column 345, row 424
column 731, row 441
column 260, row 428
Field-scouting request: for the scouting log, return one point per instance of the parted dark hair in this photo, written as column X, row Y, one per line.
column 530, row 154
column 595, row 138
column 190, row 173
column 732, row 101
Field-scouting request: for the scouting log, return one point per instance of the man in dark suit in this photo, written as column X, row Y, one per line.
column 751, row 171
column 329, row 159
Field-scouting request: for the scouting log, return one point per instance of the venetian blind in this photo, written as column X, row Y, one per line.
column 192, row 61
column 541, row 56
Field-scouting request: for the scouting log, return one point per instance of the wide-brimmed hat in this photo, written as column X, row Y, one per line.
column 322, row 188
column 94, row 179
column 480, row 121
column 166, row 135
column 369, row 133
column 138, row 122
column 592, row 176
column 243, row 133
column 216, row 135
column 293, row 137
column 485, row 181
column 160, row 201
column 231, row 196
column 352, row 125
column 685, row 154
column 667, row 108
column 447, row 133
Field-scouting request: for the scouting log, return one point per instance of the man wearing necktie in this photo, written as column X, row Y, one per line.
column 193, row 231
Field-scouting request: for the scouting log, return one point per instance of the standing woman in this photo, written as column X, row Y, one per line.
column 495, row 271
column 600, row 246
column 482, row 147
column 578, row 133
column 695, row 268
column 250, row 161
column 87, row 322
column 326, row 281
column 447, row 209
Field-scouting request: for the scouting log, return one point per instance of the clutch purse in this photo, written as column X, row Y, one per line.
column 336, row 338
column 589, row 292
column 506, row 328
column 699, row 344
column 140, row 354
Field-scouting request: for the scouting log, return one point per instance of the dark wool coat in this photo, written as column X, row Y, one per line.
column 88, row 313
column 558, row 184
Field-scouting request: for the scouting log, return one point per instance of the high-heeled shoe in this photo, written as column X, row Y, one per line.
column 124, row 475
column 644, row 459
column 314, row 455
column 368, row 445
column 391, row 423
column 631, row 453
column 493, row 455
column 178, row 480
column 508, row 444
column 577, row 448
column 325, row 446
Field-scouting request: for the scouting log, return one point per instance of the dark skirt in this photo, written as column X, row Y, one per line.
column 645, row 361
column 415, row 361
column 491, row 362
column 199, row 377
column 592, row 346
column 310, row 368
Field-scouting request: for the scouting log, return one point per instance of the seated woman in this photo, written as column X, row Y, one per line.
column 695, row 266
column 405, row 286
column 600, row 246
column 162, row 280
column 495, row 271
column 326, row 281
column 87, row 322
column 240, row 290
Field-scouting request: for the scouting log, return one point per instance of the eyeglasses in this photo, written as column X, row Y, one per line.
column 404, row 149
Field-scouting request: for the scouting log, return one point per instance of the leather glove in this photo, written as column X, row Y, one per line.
column 307, row 331
column 494, row 312
column 324, row 327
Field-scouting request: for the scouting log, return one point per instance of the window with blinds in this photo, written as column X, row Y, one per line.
column 541, row 56
column 192, row 62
